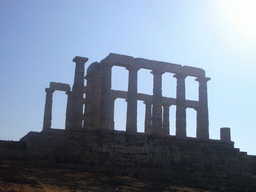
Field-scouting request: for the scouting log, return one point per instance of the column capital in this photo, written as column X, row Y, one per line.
column 180, row 76
column 202, row 79
column 167, row 104
column 69, row 93
column 49, row 90
column 78, row 59
column 148, row 102
column 132, row 68
column 113, row 97
column 157, row 72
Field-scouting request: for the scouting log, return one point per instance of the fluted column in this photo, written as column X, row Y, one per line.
column 48, row 110
column 105, row 108
column 148, row 125
column 157, row 103
column 202, row 111
column 180, row 106
column 166, row 123
column 78, row 92
column 96, row 95
column 131, row 118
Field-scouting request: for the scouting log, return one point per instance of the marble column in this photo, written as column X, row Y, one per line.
column 105, row 106
column 96, row 93
column 69, row 111
column 180, row 106
column 131, row 118
column 166, row 123
column 202, row 111
column 48, row 110
column 78, row 92
column 148, row 125
column 157, row 127
column 88, row 102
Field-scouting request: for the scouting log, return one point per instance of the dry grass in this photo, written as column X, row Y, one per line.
column 35, row 179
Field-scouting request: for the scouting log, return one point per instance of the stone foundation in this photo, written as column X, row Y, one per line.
column 211, row 164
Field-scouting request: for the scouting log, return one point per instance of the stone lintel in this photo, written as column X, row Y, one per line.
column 157, row 65
column 169, row 101
column 193, row 71
column 192, row 104
column 59, row 86
column 126, row 61
column 80, row 59
column 117, row 59
column 149, row 98
column 105, row 63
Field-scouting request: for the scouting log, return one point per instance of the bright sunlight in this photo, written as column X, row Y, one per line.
column 242, row 14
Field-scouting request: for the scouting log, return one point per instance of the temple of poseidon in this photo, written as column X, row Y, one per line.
column 90, row 140
column 100, row 98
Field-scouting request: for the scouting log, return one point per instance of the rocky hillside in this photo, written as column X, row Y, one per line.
column 16, row 177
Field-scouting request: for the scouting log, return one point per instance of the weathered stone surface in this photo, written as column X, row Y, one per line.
column 131, row 118
column 193, row 71
column 152, row 155
column 59, row 86
column 225, row 134
column 157, row 124
column 120, row 60
column 77, row 115
column 48, row 109
column 212, row 164
column 181, row 106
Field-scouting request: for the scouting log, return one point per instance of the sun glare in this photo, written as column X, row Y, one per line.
column 242, row 14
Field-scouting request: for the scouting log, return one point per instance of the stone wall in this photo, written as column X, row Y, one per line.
column 211, row 164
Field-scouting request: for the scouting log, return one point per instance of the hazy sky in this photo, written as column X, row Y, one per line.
column 39, row 39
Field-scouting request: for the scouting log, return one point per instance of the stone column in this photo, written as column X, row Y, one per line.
column 105, row 107
column 180, row 106
column 157, row 103
column 78, row 92
column 131, row 118
column 166, row 123
column 148, row 125
column 202, row 111
column 48, row 110
column 69, row 111
column 96, row 93
column 88, row 102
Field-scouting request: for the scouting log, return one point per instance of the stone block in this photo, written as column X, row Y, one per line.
column 193, row 71
column 80, row 59
column 170, row 67
column 225, row 134
column 92, row 68
column 120, row 60
column 59, row 86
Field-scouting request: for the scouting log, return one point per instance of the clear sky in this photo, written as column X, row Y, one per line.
column 39, row 39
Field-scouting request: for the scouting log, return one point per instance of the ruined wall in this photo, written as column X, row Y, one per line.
column 212, row 163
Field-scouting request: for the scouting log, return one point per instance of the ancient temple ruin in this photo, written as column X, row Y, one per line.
column 97, row 98
column 91, row 107
column 90, row 142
